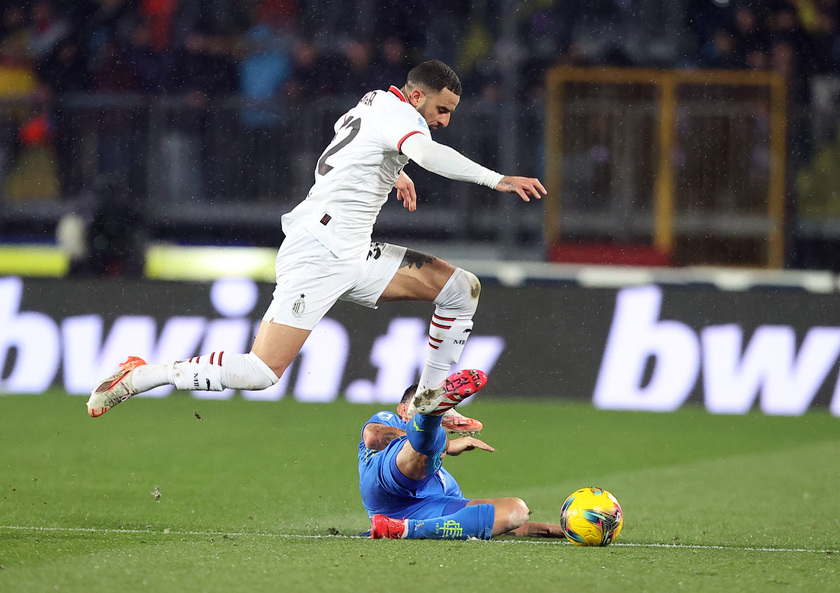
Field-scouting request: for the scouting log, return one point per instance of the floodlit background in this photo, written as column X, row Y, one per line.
column 664, row 324
column 690, row 132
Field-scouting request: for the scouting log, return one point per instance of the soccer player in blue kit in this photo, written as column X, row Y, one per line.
column 406, row 491
column 328, row 254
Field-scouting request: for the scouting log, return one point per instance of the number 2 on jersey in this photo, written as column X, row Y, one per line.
column 353, row 123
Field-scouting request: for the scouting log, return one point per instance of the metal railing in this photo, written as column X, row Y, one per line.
column 692, row 163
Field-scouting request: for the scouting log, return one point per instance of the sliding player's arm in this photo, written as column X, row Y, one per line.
column 457, row 446
column 529, row 529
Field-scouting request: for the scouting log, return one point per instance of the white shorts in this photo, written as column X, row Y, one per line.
column 310, row 279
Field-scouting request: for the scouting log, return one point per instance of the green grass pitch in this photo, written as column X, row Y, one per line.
column 263, row 497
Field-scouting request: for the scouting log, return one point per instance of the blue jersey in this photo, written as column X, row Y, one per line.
column 385, row 490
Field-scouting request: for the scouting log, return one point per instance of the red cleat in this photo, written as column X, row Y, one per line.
column 455, row 389
column 456, row 423
column 382, row 527
column 113, row 390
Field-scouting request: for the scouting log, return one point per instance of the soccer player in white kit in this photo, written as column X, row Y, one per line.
column 328, row 255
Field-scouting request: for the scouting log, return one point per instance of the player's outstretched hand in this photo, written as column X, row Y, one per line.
column 524, row 186
column 457, row 446
column 406, row 192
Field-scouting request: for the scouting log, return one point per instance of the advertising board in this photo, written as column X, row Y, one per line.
column 646, row 347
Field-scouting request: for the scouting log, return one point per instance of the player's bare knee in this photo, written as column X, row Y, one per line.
column 519, row 511
column 515, row 513
column 411, row 464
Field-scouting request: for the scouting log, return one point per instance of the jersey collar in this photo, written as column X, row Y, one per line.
column 398, row 93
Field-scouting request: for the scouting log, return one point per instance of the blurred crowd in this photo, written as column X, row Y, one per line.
column 322, row 47
column 797, row 38
column 213, row 47
column 296, row 51
column 173, row 46
column 270, row 51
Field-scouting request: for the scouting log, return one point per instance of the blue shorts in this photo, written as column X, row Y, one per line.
column 385, row 490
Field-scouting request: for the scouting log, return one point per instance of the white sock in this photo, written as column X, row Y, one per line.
column 210, row 372
column 450, row 327
column 149, row 376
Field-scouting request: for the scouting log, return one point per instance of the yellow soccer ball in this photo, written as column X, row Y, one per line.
column 591, row 517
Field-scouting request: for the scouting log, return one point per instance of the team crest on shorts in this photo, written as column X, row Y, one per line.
column 299, row 307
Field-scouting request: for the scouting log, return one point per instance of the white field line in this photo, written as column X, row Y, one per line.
column 312, row 536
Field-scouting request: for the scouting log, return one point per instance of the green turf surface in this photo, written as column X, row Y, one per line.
column 263, row 497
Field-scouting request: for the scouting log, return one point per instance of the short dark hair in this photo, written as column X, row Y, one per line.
column 408, row 394
column 434, row 75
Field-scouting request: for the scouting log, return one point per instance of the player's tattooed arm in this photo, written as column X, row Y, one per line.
column 377, row 436
column 525, row 187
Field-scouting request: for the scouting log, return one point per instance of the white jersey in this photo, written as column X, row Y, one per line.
column 356, row 172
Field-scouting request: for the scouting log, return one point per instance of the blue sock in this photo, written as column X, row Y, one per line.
column 474, row 521
column 428, row 438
